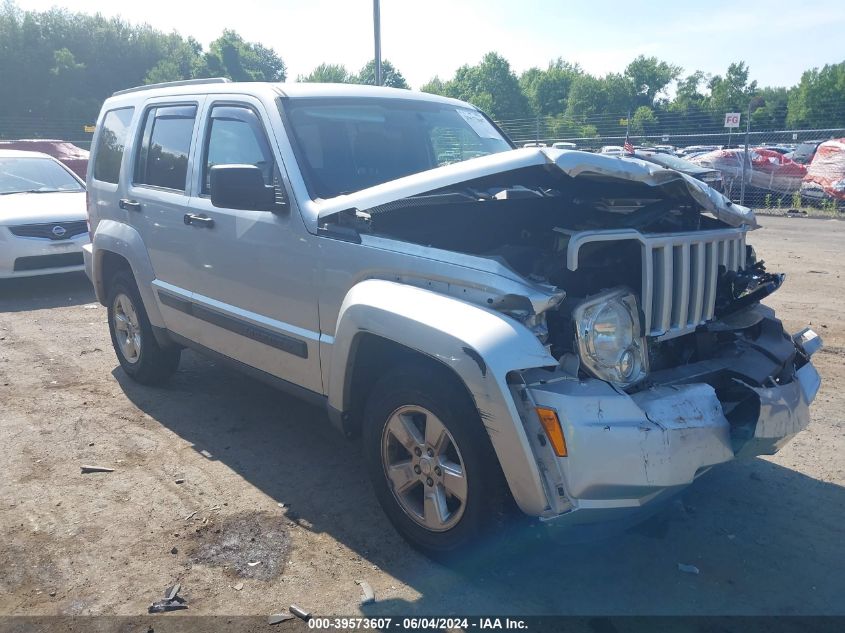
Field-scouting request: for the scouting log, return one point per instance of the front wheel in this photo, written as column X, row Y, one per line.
column 137, row 349
column 430, row 460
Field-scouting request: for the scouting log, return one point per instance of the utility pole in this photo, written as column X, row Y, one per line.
column 377, row 38
column 745, row 156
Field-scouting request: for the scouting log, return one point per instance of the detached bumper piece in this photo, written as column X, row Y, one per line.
column 626, row 451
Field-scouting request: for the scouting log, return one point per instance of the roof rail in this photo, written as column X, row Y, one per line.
column 167, row 84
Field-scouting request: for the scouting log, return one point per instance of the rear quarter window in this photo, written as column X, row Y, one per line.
column 111, row 143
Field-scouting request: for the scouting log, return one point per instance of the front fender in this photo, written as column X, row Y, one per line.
column 121, row 239
column 480, row 345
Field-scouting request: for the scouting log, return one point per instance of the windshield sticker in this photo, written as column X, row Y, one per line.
column 479, row 124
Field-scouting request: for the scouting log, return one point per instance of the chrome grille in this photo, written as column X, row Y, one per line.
column 679, row 278
column 71, row 229
column 679, row 273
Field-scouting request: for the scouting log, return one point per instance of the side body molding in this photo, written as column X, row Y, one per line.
column 481, row 346
column 123, row 240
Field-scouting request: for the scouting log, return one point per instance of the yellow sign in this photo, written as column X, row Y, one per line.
column 88, row 128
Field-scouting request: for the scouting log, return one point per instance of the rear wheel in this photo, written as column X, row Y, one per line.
column 430, row 460
column 137, row 349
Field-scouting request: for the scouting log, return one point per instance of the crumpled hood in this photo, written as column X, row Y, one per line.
column 571, row 162
column 37, row 208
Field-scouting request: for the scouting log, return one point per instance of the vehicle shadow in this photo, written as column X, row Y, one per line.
column 49, row 291
column 765, row 539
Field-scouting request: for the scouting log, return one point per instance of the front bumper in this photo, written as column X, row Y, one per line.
column 625, row 452
column 31, row 256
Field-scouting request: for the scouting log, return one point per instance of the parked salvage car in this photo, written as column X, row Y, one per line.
column 612, row 150
column 825, row 179
column 686, row 152
column 712, row 177
column 581, row 333
column 43, row 222
column 765, row 171
column 75, row 158
column 780, row 149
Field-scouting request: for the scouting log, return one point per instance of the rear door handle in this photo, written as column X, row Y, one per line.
column 129, row 205
column 200, row 221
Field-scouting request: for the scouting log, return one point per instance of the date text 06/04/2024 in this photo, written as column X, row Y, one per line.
column 417, row 623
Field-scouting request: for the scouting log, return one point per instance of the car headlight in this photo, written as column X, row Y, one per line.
column 609, row 337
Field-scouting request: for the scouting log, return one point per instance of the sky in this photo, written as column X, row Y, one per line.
column 777, row 39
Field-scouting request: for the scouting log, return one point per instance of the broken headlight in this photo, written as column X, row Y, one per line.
column 609, row 337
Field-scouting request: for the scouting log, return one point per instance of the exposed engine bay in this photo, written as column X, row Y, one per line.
column 524, row 222
column 530, row 219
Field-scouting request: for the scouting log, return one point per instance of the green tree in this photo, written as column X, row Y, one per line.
column 434, row 86
column 650, row 77
column 772, row 109
column 230, row 56
column 491, row 86
column 818, row 100
column 732, row 92
column 547, row 90
column 329, row 73
column 184, row 60
column 688, row 96
column 643, row 121
column 606, row 100
column 390, row 76
column 59, row 66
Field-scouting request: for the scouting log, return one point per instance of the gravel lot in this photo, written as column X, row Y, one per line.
column 264, row 478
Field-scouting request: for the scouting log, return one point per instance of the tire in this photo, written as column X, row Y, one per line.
column 424, row 395
column 137, row 349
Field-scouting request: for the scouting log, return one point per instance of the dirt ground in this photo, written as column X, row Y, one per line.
column 265, row 479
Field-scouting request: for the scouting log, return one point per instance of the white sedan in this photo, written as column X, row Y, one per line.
column 43, row 221
column 612, row 150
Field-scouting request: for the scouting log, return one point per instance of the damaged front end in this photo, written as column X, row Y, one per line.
column 735, row 388
column 640, row 283
column 717, row 377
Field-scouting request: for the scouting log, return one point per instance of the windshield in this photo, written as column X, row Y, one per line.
column 36, row 175
column 345, row 145
column 804, row 152
column 665, row 160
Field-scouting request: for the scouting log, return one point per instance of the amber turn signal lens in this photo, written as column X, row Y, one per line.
column 551, row 424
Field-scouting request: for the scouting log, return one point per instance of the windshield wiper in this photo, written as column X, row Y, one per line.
column 421, row 200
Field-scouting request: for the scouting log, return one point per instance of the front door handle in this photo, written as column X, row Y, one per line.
column 129, row 205
column 200, row 221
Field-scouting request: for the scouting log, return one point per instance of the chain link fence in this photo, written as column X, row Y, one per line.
column 605, row 130
column 32, row 127
column 766, row 176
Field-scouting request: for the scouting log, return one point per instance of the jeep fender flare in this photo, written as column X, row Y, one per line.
column 121, row 239
column 479, row 345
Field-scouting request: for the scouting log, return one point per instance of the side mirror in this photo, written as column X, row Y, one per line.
column 241, row 187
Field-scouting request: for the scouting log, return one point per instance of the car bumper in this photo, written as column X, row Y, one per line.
column 626, row 452
column 88, row 259
column 31, row 256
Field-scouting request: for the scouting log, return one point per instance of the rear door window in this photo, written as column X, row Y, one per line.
column 111, row 143
column 166, row 142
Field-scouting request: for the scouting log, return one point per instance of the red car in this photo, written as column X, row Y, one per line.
column 825, row 179
column 766, row 169
column 65, row 152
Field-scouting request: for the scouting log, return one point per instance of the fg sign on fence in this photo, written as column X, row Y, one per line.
column 732, row 119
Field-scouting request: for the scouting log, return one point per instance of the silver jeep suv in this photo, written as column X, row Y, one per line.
column 580, row 333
